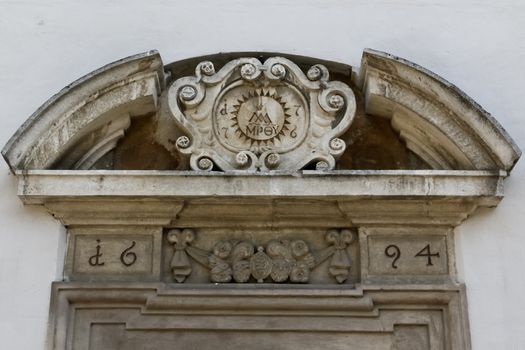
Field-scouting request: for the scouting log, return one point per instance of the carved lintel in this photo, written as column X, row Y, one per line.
column 278, row 261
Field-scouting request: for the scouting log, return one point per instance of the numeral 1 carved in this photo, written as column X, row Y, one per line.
column 425, row 252
column 94, row 260
column 224, row 110
column 393, row 251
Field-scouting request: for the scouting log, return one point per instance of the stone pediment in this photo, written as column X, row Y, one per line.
column 262, row 200
column 391, row 114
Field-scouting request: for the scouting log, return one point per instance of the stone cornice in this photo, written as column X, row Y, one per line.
column 319, row 199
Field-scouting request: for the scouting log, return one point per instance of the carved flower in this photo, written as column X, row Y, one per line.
column 221, row 271
column 299, row 248
column 300, row 273
column 241, row 271
column 243, row 250
column 332, row 236
column 280, row 270
column 222, row 249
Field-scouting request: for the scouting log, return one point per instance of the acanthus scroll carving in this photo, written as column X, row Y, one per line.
column 277, row 261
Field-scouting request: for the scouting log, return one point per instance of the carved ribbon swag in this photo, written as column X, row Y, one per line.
column 278, row 261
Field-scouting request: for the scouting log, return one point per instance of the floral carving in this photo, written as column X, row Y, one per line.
column 278, row 261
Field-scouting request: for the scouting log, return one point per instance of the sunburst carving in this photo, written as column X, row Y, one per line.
column 260, row 117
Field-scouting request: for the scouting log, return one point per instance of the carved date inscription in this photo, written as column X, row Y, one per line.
column 127, row 258
column 112, row 254
column 425, row 252
column 393, row 251
column 407, row 255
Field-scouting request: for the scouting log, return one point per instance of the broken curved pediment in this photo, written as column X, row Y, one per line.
column 297, row 202
column 261, row 114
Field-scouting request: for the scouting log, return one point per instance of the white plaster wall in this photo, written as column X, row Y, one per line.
column 477, row 44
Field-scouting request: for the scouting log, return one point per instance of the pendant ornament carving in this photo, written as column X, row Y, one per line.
column 258, row 116
column 277, row 261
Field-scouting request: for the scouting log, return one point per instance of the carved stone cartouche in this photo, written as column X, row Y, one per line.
column 258, row 116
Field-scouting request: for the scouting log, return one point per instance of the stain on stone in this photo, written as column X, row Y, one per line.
column 138, row 150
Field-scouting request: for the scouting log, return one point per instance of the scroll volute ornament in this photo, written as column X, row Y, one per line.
column 257, row 116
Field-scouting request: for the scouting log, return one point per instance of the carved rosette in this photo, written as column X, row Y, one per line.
column 258, row 116
column 278, row 261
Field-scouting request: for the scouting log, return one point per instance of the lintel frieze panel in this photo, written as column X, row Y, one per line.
column 277, row 261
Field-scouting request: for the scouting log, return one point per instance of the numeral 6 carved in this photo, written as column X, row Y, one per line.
column 127, row 257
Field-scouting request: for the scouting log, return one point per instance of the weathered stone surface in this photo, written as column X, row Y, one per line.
column 113, row 254
column 81, row 126
column 407, row 255
column 270, row 254
column 260, row 116
column 258, row 255
column 438, row 122
column 91, row 114
column 137, row 316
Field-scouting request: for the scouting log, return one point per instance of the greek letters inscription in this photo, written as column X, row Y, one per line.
column 259, row 119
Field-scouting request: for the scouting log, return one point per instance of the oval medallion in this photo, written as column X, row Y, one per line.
column 261, row 265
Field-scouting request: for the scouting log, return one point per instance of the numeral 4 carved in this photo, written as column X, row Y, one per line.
column 425, row 252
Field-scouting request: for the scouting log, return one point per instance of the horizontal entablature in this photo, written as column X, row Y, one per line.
column 37, row 185
column 305, row 198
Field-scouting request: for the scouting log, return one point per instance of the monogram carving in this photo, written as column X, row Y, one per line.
column 258, row 116
column 277, row 261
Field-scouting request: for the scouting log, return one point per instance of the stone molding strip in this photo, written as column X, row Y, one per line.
column 89, row 307
column 338, row 198
column 37, row 185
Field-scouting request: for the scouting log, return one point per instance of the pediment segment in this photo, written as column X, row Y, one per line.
column 438, row 121
column 284, row 113
column 85, row 120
